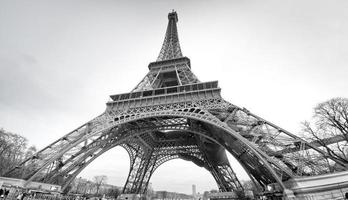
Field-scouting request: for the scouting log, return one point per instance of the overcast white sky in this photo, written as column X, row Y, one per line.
column 59, row 61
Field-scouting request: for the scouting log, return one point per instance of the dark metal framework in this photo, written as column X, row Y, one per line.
column 170, row 114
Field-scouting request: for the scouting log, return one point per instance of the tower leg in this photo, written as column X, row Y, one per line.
column 227, row 178
column 142, row 165
column 219, row 166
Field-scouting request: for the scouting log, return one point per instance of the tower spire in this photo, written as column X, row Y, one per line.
column 171, row 47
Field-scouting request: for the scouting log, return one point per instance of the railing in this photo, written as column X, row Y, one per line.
column 164, row 91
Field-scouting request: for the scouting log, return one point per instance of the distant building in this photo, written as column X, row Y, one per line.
column 194, row 191
column 222, row 196
column 171, row 195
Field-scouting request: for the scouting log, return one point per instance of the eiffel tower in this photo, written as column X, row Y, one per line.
column 170, row 114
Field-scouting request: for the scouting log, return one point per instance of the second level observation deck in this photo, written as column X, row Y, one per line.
column 167, row 95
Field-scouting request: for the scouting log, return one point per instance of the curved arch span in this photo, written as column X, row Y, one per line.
column 211, row 120
column 121, row 143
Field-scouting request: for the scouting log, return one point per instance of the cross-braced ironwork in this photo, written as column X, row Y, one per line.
column 170, row 114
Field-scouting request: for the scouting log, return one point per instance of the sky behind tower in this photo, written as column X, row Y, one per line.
column 60, row 60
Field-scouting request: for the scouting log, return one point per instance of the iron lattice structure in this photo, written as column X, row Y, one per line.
column 170, row 114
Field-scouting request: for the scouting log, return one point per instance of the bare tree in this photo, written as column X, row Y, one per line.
column 329, row 127
column 13, row 149
column 98, row 181
column 30, row 151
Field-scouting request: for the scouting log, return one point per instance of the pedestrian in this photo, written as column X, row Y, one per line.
column 346, row 195
column 23, row 195
column 6, row 192
column 1, row 193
